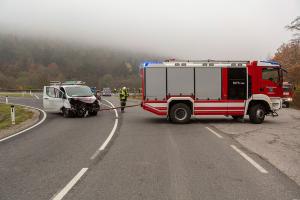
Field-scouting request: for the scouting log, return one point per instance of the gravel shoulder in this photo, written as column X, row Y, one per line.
column 277, row 140
column 23, row 125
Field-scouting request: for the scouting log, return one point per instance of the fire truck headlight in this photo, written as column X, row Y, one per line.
column 290, row 99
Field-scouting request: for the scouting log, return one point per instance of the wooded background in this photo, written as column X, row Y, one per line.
column 27, row 63
column 30, row 63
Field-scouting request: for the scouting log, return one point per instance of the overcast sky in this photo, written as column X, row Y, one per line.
column 189, row 29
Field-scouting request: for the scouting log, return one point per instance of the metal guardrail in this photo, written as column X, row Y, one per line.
column 20, row 90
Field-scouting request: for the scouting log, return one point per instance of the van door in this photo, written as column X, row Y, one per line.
column 52, row 99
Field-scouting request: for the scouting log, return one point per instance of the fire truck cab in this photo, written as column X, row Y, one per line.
column 180, row 89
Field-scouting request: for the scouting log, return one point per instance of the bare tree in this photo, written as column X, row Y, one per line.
column 295, row 26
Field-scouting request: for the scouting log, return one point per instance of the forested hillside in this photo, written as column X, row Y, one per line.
column 27, row 63
column 289, row 54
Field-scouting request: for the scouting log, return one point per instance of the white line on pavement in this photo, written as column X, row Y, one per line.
column 29, row 128
column 104, row 104
column 214, row 132
column 36, row 96
column 112, row 105
column 106, row 142
column 255, row 164
column 69, row 186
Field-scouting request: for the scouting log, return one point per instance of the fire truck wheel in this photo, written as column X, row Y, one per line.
column 180, row 113
column 286, row 104
column 257, row 114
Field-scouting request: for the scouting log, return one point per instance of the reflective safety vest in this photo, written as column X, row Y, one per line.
column 123, row 94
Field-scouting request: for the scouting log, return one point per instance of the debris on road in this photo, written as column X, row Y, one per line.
column 119, row 107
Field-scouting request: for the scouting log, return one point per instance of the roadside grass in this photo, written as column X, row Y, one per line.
column 22, row 115
column 14, row 94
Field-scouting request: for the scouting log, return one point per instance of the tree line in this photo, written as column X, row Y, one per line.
column 288, row 54
column 28, row 63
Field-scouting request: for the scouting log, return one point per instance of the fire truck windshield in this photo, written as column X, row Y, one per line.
column 271, row 74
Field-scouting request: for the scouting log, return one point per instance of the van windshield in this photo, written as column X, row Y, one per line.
column 80, row 91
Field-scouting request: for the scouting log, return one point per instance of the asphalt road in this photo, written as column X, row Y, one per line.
column 147, row 158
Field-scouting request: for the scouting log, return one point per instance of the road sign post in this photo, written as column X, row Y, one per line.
column 13, row 115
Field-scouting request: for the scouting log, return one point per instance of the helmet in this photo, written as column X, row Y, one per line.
column 124, row 88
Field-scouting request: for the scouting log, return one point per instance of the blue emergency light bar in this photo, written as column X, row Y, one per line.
column 270, row 62
column 146, row 63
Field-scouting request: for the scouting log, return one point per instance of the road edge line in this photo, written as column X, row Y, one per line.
column 106, row 142
column 214, row 132
column 250, row 160
column 70, row 185
column 29, row 128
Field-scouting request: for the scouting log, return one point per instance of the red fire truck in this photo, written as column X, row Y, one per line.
column 288, row 93
column 180, row 89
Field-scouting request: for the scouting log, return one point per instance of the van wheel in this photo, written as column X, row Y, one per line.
column 237, row 117
column 180, row 113
column 257, row 114
column 93, row 113
column 66, row 112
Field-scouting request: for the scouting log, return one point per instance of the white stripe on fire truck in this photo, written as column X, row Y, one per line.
column 157, row 104
column 225, row 104
column 219, row 110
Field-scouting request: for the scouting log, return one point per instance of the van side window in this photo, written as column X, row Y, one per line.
column 53, row 92
column 57, row 93
column 50, row 92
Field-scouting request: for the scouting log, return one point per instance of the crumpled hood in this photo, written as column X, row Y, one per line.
column 90, row 99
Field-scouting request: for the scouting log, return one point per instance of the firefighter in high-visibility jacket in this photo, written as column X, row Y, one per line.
column 123, row 97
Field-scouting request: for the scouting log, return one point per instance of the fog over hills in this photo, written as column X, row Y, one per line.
column 189, row 29
column 102, row 42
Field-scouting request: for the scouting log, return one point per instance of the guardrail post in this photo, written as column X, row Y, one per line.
column 13, row 115
column 6, row 99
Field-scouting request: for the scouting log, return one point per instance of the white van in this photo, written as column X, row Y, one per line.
column 70, row 99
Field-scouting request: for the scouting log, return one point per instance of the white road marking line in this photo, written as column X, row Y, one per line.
column 106, row 142
column 214, row 132
column 29, row 128
column 110, row 136
column 69, row 186
column 36, row 96
column 105, row 105
column 112, row 105
column 255, row 164
column 95, row 154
